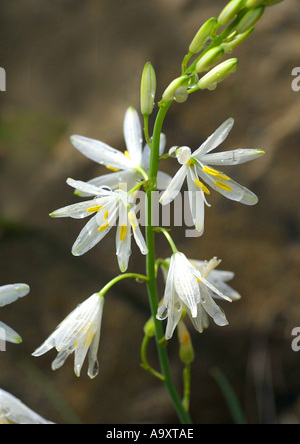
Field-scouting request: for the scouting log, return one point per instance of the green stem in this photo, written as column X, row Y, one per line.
column 168, row 237
column 146, row 366
column 150, row 267
column 117, row 279
column 186, row 386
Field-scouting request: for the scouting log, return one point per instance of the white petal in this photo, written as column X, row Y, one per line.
column 212, row 308
column 10, row 293
column 76, row 211
column 113, row 181
column 101, row 152
column 89, row 237
column 196, row 200
column 235, row 157
column 87, row 188
column 133, row 136
column 147, row 152
column 215, row 139
column 163, row 180
column 9, row 335
column 186, row 284
column 175, row 186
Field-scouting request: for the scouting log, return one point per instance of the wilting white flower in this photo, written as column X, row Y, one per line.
column 193, row 285
column 78, row 333
column 108, row 208
column 196, row 168
column 8, row 294
column 127, row 167
column 13, row 411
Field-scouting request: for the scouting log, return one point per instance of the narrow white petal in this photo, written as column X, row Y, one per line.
column 7, row 334
column 147, row 152
column 89, row 237
column 138, row 236
column 212, row 308
column 235, row 157
column 175, row 186
column 10, row 293
column 101, row 152
column 85, row 187
column 133, row 136
column 76, row 211
column 215, row 139
column 113, row 181
column 163, row 180
column 186, row 283
column 196, row 200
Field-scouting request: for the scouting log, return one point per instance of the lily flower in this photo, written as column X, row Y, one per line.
column 13, row 411
column 8, row 294
column 107, row 208
column 192, row 286
column 79, row 332
column 196, row 168
column 128, row 167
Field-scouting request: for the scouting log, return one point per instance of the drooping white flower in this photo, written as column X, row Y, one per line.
column 196, row 169
column 109, row 208
column 8, row 294
column 79, row 332
column 13, row 411
column 126, row 166
column 193, row 285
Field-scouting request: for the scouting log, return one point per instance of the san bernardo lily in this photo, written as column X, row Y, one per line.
column 192, row 286
column 196, row 168
column 128, row 167
column 13, row 411
column 9, row 294
column 108, row 208
column 78, row 333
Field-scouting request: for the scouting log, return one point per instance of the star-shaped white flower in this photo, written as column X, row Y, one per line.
column 109, row 208
column 196, row 169
column 127, row 167
column 193, row 285
column 13, row 411
column 79, row 333
column 8, row 294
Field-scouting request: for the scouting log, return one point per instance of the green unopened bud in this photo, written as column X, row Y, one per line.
column 148, row 89
column 149, row 329
column 206, row 31
column 209, row 59
column 218, row 74
column 235, row 40
column 249, row 19
column 176, row 88
column 230, row 11
column 254, row 3
column 186, row 350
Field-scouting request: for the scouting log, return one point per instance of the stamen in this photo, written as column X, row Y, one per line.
column 105, row 214
column 213, row 172
column 201, row 186
column 123, row 232
column 223, row 186
column 191, row 162
column 132, row 220
column 103, row 227
column 94, row 209
column 127, row 154
column 111, row 168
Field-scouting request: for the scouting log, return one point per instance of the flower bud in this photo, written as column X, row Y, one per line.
column 175, row 85
column 218, row 74
column 209, row 59
column 230, row 11
column 148, row 89
column 186, row 351
column 149, row 328
column 236, row 40
column 206, row 31
column 249, row 19
column 254, row 3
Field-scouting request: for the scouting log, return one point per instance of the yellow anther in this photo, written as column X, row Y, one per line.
column 111, row 168
column 103, row 227
column 132, row 220
column 123, row 231
column 127, row 154
column 223, row 186
column 105, row 214
column 94, row 209
column 198, row 280
column 201, row 186
column 215, row 173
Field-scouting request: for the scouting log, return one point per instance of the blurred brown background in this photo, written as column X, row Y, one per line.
column 74, row 66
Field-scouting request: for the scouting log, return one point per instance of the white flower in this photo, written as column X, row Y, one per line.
column 129, row 166
column 193, row 286
column 13, row 411
column 195, row 167
column 78, row 333
column 8, row 294
column 107, row 208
